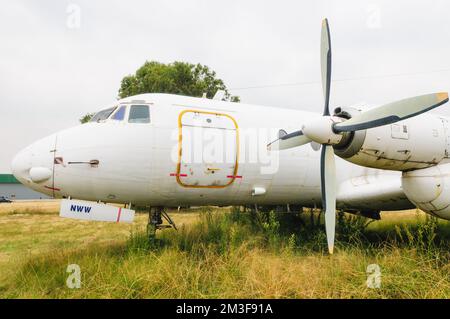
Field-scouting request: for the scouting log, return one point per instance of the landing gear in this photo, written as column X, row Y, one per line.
column 155, row 221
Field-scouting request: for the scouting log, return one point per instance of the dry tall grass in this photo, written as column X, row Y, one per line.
column 219, row 254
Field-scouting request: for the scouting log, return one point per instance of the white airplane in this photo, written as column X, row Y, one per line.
column 144, row 150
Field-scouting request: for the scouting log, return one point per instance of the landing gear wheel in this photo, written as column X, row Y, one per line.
column 155, row 221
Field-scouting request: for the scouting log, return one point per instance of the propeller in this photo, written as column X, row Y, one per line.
column 327, row 165
column 329, row 130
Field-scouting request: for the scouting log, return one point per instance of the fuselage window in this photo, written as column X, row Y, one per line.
column 103, row 115
column 139, row 114
column 120, row 114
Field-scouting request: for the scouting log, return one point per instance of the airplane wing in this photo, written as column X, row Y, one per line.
column 380, row 192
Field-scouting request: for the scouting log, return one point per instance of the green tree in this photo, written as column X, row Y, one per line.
column 86, row 118
column 176, row 78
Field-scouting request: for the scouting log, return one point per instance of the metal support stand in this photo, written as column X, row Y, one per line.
column 155, row 221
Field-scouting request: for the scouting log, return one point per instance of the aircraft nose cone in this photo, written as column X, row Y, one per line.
column 21, row 165
column 34, row 164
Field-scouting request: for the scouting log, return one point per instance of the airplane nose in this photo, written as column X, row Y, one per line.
column 21, row 165
column 34, row 164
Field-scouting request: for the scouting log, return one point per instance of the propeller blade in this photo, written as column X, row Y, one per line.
column 325, row 64
column 328, row 185
column 290, row 140
column 392, row 112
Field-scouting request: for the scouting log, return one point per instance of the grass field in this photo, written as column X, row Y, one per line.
column 221, row 253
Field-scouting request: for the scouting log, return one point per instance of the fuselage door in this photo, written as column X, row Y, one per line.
column 208, row 149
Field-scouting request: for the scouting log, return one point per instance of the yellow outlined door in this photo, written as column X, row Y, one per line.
column 208, row 149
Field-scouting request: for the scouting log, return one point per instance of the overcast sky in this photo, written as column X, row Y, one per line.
column 61, row 59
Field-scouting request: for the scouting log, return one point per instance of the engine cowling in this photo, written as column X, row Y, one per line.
column 415, row 143
column 429, row 189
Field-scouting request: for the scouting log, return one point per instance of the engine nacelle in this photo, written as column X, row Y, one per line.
column 415, row 143
column 429, row 189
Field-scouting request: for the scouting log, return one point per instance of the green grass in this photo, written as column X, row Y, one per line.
column 218, row 253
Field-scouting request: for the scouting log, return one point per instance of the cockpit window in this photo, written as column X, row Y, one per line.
column 139, row 114
column 120, row 114
column 103, row 115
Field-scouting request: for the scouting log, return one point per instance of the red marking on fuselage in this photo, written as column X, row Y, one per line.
column 181, row 175
column 232, row 176
column 118, row 215
column 52, row 188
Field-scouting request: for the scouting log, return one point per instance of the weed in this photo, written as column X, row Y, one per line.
column 237, row 254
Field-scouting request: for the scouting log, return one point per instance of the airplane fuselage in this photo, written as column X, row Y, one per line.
column 161, row 163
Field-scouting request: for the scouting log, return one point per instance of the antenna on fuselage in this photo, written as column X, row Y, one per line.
column 219, row 96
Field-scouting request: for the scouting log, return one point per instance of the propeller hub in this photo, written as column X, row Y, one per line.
column 321, row 130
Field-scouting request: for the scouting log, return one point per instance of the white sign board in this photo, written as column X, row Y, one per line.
column 78, row 209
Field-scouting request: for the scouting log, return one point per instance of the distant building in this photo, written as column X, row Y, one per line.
column 10, row 187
